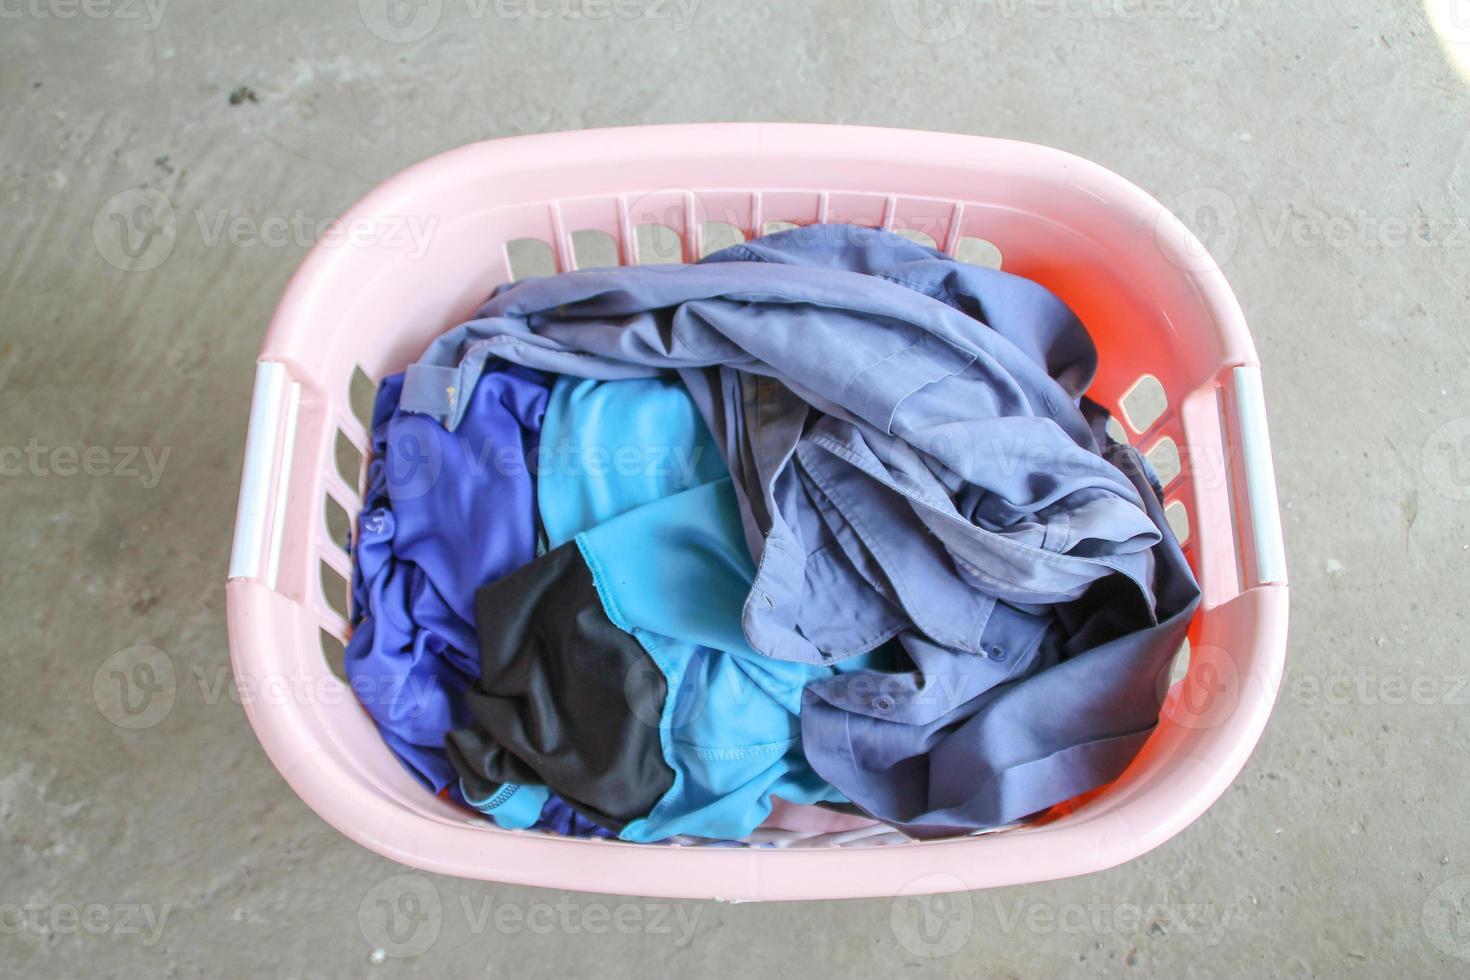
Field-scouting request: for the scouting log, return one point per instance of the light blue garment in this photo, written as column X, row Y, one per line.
column 514, row 806
column 607, row 448
column 662, row 536
column 675, row 574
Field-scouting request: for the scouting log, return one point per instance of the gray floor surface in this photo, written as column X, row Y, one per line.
column 1336, row 134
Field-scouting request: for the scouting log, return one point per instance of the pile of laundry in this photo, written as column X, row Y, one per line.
column 824, row 517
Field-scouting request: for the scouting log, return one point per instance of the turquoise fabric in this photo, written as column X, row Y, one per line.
column 675, row 574
column 514, row 806
column 672, row 568
column 607, row 447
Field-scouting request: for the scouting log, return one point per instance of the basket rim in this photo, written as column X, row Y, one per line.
column 1090, row 839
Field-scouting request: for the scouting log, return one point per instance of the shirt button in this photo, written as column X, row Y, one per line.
column 997, row 654
column 882, row 703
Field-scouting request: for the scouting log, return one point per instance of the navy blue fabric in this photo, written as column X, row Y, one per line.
column 912, row 460
column 444, row 514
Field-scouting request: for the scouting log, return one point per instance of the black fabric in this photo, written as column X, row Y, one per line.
column 565, row 698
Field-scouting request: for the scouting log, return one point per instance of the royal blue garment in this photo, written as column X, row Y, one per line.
column 558, row 817
column 444, row 514
column 912, row 461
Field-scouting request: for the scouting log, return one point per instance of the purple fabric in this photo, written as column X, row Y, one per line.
column 444, row 514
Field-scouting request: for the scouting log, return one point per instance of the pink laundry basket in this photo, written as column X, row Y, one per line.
column 419, row 253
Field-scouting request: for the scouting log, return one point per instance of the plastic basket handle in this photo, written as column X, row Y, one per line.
column 1259, row 509
column 269, row 445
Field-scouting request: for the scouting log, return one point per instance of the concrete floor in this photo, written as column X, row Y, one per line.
column 1335, row 134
